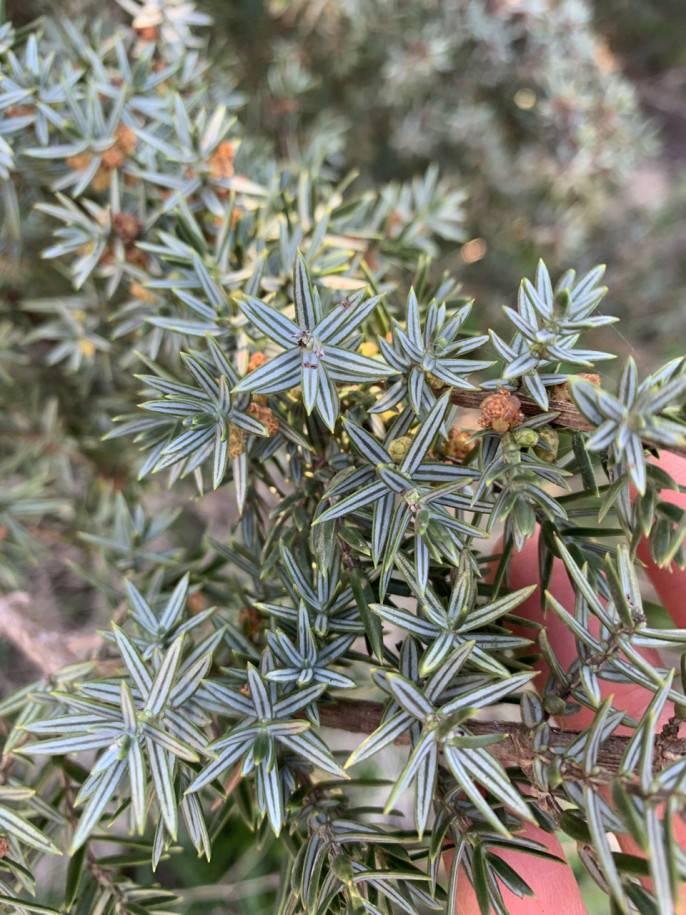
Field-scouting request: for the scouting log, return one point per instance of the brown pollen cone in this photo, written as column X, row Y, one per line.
column 561, row 391
column 256, row 360
column 501, row 411
column 264, row 415
column 221, row 161
column 458, row 445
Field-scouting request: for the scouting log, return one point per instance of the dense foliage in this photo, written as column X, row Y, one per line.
column 279, row 346
column 521, row 101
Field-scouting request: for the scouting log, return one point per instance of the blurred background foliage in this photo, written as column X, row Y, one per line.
column 563, row 120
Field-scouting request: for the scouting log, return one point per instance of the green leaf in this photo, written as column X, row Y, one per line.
column 369, row 447
column 306, row 310
column 162, row 771
column 164, row 679
column 26, row 832
column 659, row 861
column 195, row 822
column 134, row 662
column 345, row 317
column 344, row 366
column 71, row 744
column 489, row 694
column 175, row 605
column 272, row 323
column 408, row 696
column 309, row 380
column 584, row 395
column 363, row 598
column 259, row 694
column 74, row 873
column 268, row 780
column 107, row 784
column 354, row 502
column 138, row 785
column 279, row 374
column 425, row 436
column 509, row 876
column 169, row 742
column 601, row 845
column 22, row 904
column 306, row 746
column 386, row 734
column 327, row 402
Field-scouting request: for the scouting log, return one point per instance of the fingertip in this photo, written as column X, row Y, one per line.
column 669, row 582
column 553, row 883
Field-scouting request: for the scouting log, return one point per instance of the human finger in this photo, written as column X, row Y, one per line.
column 670, row 583
column 553, row 883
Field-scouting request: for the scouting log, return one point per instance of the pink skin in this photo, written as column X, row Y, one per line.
column 554, row 884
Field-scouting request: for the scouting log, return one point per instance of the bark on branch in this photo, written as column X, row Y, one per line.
column 49, row 650
column 517, row 747
column 568, row 415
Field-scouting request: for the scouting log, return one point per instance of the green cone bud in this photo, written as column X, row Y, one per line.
column 548, row 443
column 399, row 447
column 525, row 438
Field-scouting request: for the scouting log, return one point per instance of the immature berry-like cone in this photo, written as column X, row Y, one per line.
column 525, row 438
column 147, row 32
column 237, row 437
column 399, row 447
column 101, row 179
column 224, row 193
column 434, row 383
column 124, row 144
column 19, row 111
column 547, row 436
column 196, row 603
column 501, row 411
column 457, row 445
column 126, row 226
column 251, row 621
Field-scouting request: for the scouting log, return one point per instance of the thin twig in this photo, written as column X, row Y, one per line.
column 567, row 414
column 515, row 749
column 50, row 650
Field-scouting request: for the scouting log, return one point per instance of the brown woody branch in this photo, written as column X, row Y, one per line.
column 517, row 747
column 567, row 414
column 50, row 649
column 47, row 649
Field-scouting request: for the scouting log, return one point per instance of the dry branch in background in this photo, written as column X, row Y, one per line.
column 48, row 649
